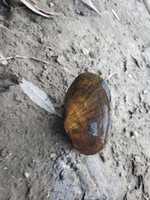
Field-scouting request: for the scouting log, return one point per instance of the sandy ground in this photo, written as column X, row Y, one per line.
column 37, row 161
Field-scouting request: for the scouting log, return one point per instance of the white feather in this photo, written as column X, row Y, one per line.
column 37, row 95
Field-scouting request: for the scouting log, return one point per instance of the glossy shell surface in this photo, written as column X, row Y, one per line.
column 87, row 113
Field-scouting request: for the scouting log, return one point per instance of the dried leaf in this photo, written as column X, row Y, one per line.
column 38, row 96
column 90, row 4
column 32, row 5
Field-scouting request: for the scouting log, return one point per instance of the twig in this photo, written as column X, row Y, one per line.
column 24, row 57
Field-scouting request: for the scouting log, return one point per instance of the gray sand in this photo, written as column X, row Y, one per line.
column 37, row 161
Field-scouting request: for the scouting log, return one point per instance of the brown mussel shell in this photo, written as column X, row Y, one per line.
column 87, row 113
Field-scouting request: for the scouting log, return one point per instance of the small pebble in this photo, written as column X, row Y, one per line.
column 51, row 4
column 26, row 174
column 44, row 67
column 130, row 76
column 138, row 159
column 61, row 60
column 53, row 155
column 133, row 134
column 144, row 92
column 5, row 168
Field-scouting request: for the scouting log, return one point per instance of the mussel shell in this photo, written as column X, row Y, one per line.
column 87, row 113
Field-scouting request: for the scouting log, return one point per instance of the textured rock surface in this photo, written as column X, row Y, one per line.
column 36, row 159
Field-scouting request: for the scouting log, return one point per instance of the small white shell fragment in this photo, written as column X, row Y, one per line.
column 3, row 60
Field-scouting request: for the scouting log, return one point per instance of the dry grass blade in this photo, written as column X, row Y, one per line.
column 38, row 10
column 90, row 4
column 3, row 59
column 147, row 5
